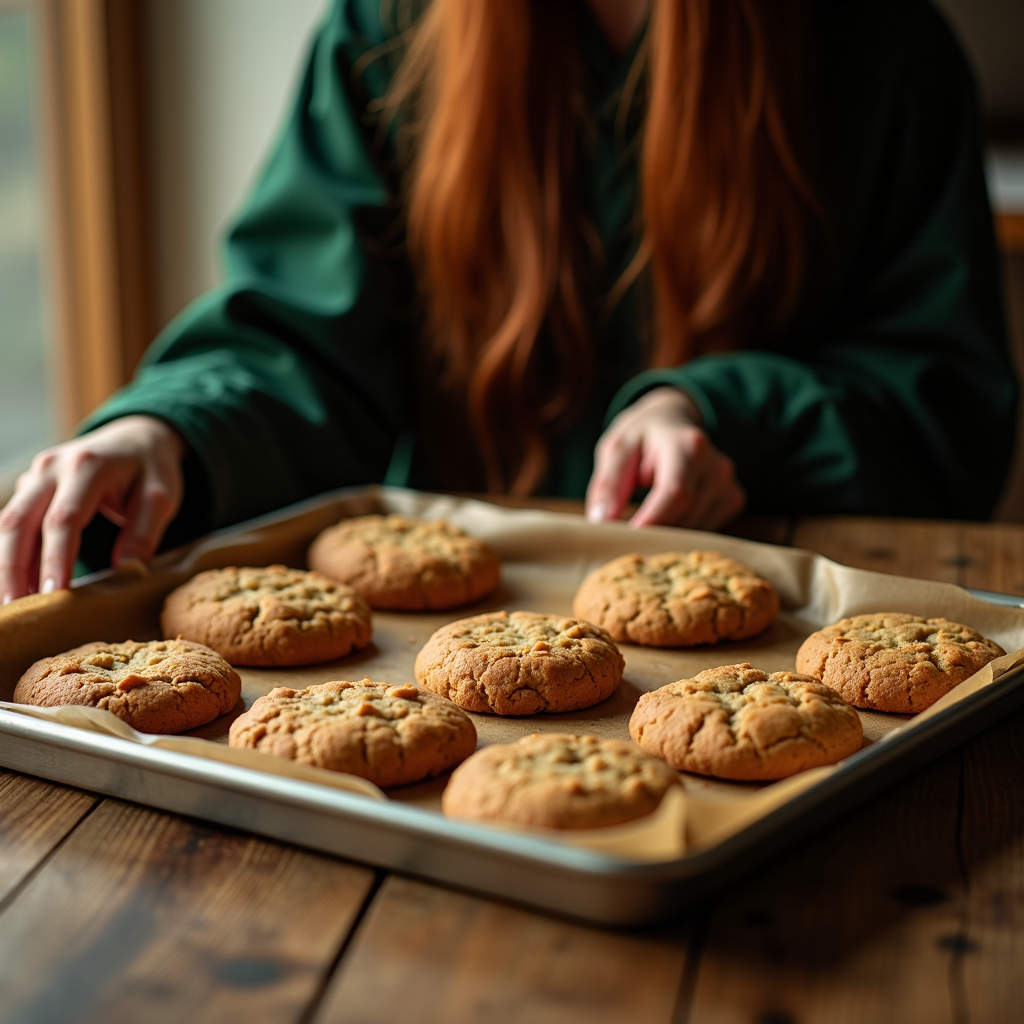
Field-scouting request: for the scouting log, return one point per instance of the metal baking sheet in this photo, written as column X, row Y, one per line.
column 406, row 833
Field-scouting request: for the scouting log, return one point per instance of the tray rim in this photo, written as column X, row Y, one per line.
column 522, row 845
column 666, row 884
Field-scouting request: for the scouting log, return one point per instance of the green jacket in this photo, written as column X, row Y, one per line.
column 890, row 391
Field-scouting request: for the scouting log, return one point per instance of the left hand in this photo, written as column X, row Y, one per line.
column 659, row 442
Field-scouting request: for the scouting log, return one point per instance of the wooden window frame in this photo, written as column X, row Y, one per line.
column 92, row 107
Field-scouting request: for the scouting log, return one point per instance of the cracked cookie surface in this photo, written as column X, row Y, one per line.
column 677, row 599
column 391, row 735
column 272, row 616
column 890, row 661
column 520, row 663
column 737, row 722
column 406, row 564
column 162, row 686
column 556, row 780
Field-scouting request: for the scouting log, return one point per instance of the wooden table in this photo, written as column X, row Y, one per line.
column 909, row 910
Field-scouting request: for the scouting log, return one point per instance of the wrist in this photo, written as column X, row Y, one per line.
column 675, row 402
column 157, row 433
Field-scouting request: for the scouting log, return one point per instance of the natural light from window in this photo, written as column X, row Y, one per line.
column 26, row 420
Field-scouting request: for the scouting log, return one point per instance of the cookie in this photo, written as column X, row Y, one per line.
column 894, row 662
column 157, row 686
column 554, row 780
column 267, row 617
column 391, row 735
column 406, row 564
column 677, row 599
column 737, row 722
column 520, row 664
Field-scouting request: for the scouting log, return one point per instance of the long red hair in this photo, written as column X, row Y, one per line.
column 490, row 97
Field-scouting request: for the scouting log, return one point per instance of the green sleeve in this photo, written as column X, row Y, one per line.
column 296, row 376
column 893, row 393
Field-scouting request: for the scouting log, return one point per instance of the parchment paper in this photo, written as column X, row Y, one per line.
column 545, row 556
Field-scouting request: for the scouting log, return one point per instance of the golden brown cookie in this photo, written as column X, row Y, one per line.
column 406, row 564
column 894, row 662
column 391, row 735
column 270, row 616
column 677, row 599
column 554, row 780
column 156, row 686
column 520, row 664
column 737, row 722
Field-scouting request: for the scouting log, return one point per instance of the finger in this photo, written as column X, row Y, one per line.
column 150, row 510
column 671, row 485
column 711, row 488
column 115, row 512
column 20, row 523
column 75, row 501
column 32, row 572
column 616, row 463
column 728, row 504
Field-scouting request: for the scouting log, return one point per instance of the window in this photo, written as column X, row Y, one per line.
column 74, row 259
column 26, row 412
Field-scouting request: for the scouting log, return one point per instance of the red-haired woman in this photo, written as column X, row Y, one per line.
column 742, row 247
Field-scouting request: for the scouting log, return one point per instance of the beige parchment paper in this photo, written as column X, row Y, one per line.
column 545, row 556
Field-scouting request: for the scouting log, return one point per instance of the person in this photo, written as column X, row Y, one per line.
column 736, row 252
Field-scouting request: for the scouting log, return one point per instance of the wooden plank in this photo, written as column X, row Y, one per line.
column 991, row 942
column 857, row 925
column 429, row 954
column 144, row 916
column 765, row 529
column 989, row 556
column 993, row 556
column 34, row 817
column 926, row 550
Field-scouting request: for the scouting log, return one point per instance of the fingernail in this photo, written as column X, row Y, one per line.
column 8, row 598
column 598, row 513
column 49, row 585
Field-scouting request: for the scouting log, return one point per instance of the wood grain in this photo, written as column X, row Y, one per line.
column 989, row 556
column 930, row 551
column 34, row 817
column 144, row 916
column 991, row 941
column 431, row 955
column 854, row 926
column 992, row 556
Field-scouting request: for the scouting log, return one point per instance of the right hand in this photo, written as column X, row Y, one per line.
column 659, row 442
column 128, row 469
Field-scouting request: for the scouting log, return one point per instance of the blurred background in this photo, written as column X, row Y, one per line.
column 131, row 129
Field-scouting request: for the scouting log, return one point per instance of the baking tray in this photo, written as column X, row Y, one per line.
column 406, row 833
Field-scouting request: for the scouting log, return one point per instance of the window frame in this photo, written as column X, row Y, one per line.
column 92, row 112
column 97, row 252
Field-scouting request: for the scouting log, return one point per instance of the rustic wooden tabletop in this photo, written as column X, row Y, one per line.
column 911, row 909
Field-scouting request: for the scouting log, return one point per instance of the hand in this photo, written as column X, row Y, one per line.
column 129, row 469
column 658, row 442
